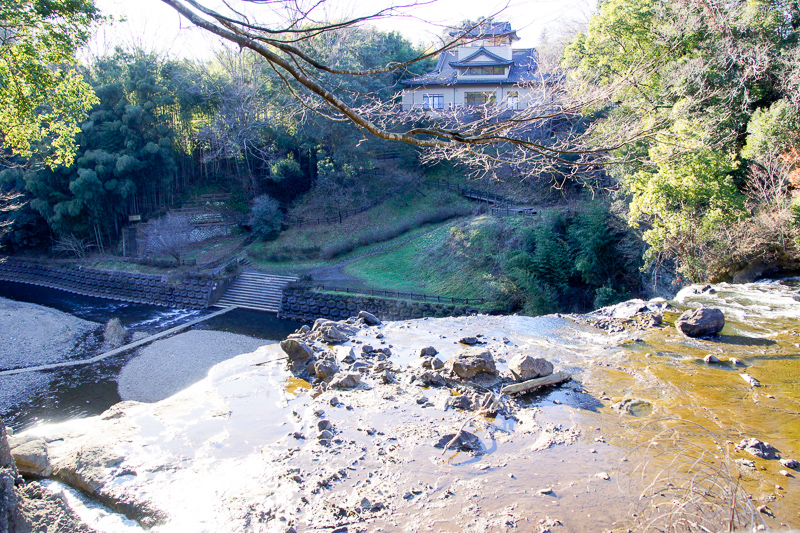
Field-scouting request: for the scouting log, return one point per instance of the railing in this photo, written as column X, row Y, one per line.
column 402, row 295
column 469, row 192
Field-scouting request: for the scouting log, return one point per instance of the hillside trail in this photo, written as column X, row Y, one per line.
column 336, row 274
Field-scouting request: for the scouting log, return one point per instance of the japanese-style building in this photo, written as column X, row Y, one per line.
column 482, row 69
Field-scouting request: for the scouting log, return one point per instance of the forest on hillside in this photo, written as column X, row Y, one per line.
column 680, row 116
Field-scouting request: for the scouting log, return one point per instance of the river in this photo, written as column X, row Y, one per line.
column 87, row 390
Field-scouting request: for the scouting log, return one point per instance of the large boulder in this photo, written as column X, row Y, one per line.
column 296, row 350
column 325, row 369
column 369, row 319
column 469, row 362
column 345, row 380
column 701, row 322
column 9, row 512
column 332, row 334
column 524, row 367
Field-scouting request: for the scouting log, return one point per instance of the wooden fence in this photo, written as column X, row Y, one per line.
column 402, row 295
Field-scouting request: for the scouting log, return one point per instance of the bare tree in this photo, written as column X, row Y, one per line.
column 170, row 234
column 490, row 138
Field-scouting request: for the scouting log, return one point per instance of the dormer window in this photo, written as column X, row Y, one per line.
column 484, row 71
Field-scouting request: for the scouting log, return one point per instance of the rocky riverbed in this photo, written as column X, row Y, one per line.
column 383, row 427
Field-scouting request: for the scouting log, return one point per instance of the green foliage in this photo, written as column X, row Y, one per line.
column 685, row 200
column 692, row 85
column 266, row 218
column 772, row 131
column 42, row 97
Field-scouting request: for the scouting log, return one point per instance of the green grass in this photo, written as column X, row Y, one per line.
column 457, row 259
column 299, row 249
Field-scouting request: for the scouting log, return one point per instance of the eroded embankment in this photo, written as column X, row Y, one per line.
column 253, row 448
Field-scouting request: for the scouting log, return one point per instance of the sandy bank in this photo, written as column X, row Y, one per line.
column 168, row 366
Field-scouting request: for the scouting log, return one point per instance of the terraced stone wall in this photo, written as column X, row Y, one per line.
column 192, row 292
column 305, row 305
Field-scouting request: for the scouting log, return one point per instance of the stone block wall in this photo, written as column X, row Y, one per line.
column 306, row 305
column 192, row 292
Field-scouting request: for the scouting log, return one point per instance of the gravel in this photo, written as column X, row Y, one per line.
column 32, row 335
column 170, row 365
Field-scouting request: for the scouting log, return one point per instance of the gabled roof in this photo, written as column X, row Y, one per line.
column 525, row 69
column 485, row 29
column 494, row 60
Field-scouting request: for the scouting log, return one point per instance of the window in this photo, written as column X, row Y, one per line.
column 433, row 101
column 479, row 98
column 512, row 97
column 484, row 71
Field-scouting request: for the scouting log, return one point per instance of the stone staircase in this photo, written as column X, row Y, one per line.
column 254, row 290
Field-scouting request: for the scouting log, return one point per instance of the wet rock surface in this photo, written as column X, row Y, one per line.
column 289, row 452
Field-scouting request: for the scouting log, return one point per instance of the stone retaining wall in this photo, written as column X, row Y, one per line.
column 306, row 305
column 192, row 292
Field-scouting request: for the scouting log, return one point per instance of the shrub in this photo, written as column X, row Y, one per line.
column 265, row 218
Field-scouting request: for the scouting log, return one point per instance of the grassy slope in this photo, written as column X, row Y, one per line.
column 458, row 259
column 294, row 243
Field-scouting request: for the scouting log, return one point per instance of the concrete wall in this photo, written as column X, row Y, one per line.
column 305, row 305
column 190, row 292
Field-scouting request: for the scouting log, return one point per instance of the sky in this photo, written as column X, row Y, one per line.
column 153, row 25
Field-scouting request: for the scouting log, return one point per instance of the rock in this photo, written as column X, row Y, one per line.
column 427, row 363
column 736, row 362
column 325, row 435
column 365, row 349
column 297, row 351
column 790, row 463
column 428, row 351
column 360, row 366
column 466, row 442
column 332, row 334
column 711, row 358
column 386, row 377
column 469, row 341
column 746, row 463
column 369, row 319
column 345, row 380
column 322, row 425
column 545, row 491
column 785, row 473
column 750, row 379
column 460, row 402
column 31, row 458
column 344, row 354
column 603, row 475
column 437, row 363
column 334, row 402
column 701, row 322
column 470, row 362
column 760, row 449
column 325, row 369
column 9, row 510
column 524, row 367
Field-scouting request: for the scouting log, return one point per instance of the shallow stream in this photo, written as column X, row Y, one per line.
column 87, row 390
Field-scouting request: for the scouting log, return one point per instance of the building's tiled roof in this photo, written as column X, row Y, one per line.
column 524, row 70
column 494, row 60
column 485, row 29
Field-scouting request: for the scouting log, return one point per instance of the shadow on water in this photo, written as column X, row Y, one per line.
column 88, row 390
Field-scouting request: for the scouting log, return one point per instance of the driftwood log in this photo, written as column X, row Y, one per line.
column 533, row 384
